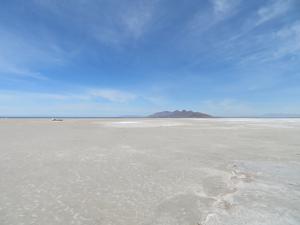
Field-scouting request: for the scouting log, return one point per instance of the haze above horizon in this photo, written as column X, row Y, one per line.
column 112, row 58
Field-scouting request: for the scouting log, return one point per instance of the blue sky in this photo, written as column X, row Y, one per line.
column 111, row 58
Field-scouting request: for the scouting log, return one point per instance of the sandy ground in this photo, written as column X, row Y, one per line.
column 150, row 171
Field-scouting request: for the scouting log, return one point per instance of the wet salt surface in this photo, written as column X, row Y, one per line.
column 144, row 123
column 139, row 171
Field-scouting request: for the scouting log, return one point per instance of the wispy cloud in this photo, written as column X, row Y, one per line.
column 273, row 10
column 137, row 18
column 87, row 94
column 17, row 71
column 249, row 44
column 207, row 18
column 22, row 95
column 111, row 23
column 22, row 56
column 224, row 7
column 85, row 102
column 272, row 46
column 112, row 95
column 267, row 12
column 288, row 41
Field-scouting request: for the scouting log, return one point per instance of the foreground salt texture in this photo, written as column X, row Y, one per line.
column 155, row 171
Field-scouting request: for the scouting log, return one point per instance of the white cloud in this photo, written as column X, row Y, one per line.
column 22, row 103
column 112, row 23
column 137, row 18
column 274, row 9
column 288, row 41
column 15, row 70
column 272, row 46
column 206, row 18
column 20, row 95
column 271, row 11
column 113, row 95
column 79, row 103
column 21, row 56
column 223, row 7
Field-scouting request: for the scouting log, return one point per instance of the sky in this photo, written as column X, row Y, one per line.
column 137, row 57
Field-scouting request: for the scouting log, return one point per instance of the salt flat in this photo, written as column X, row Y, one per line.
column 150, row 171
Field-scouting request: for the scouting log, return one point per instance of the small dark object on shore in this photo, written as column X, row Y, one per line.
column 55, row 119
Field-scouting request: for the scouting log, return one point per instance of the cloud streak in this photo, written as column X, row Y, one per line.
column 112, row 95
column 22, row 57
column 87, row 102
column 112, row 23
column 254, row 42
column 273, row 10
column 224, row 7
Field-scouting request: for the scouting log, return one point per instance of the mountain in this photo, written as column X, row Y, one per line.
column 179, row 114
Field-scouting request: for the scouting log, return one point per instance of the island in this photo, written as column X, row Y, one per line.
column 180, row 114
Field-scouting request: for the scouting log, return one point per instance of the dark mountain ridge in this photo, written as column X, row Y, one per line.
column 179, row 114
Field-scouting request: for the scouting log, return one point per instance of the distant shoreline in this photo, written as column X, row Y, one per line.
column 140, row 117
